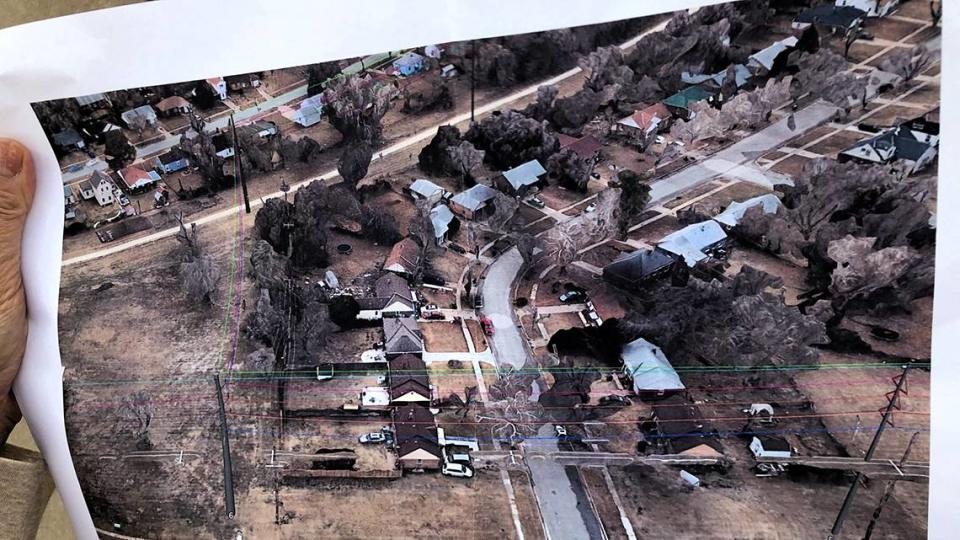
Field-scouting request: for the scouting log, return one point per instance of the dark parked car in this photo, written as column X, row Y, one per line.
column 457, row 248
column 433, row 279
column 570, row 297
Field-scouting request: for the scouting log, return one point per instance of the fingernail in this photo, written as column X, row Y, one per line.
column 11, row 158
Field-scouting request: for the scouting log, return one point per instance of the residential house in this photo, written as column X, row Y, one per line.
column 239, row 83
column 765, row 60
column 873, row 8
column 173, row 105
column 140, row 117
column 92, row 102
column 633, row 270
column 473, row 203
column 102, row 186
column 223, row 145
column 171, row 161
column 679, row 429
column 770, row 447
column 415, row 433
column 138, row 179
column 923, row 129
column 695, row 242
column 392, row 298
column 741, row 76
column 421, row 188
column 307, row 114
column 404, row 258
column 433, row 51
column 264, row 128
column 409, row 381
column 900, row 145
column 69, row 197
column 586, row 147
column 732, row 215
column 444, row 222
column 649, row 369
column 68, row 140
column 402, row 336
column 650, row 120
column 409, row 63
column 86, row 189
column 219, row 86
column 830, row 17
column 522, row 177
column 680, row 103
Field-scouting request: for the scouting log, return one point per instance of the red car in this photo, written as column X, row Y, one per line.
column 487, row 325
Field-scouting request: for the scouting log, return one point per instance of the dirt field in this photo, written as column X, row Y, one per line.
column 417, row 506
column 836, row 143
column 527, row 505
column 661, row 506
column 443, row 337
column 653, row 232
column 477, row 335
column 792, row 166
column 606, row 509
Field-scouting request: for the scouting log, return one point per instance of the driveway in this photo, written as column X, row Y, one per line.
column 563, row 500
column 507, row 341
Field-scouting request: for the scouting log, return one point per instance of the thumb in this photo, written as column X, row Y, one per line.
column 17, row 183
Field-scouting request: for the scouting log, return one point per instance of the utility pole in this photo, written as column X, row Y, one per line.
column 227, row 464
column 893, row 403
column 238, row 165
column 888, row 490
column 473, row 78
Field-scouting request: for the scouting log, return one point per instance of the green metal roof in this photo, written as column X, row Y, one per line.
column 685, row 97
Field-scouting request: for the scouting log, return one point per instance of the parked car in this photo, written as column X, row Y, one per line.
column 457, row 470
column 457, row 248
column 593, row 317
column 561, row 431
column 660, row 139
column 431, row 311
column 487, row 325
column 457, row 454
column 536, row 202
column 592, row 207
column 373, row 438
column 868, row 127
column 615, row 400
column 570, row 297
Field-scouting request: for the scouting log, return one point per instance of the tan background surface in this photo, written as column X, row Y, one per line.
column 55, row 525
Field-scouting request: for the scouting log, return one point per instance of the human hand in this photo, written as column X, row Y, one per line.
column 17, row 184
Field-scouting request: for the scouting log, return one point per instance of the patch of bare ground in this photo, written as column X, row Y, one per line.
column 602, row 500
column 738, row 191
column 688, row 195
column 449, row 265
column 651, row 233
column 661, row 506
column 791, row 166
column 836, row 143
column 530, row 518
column 420, row 506
column 793, row 276
column 446, row 336
column 554, row 322
column 476, row 335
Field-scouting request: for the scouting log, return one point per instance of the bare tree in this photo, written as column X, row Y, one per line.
column 199, row 273
column 466, row 159
column 421, row 228
column 354, row 163
column 134, row 418
column 907, row 63
column 355, row 106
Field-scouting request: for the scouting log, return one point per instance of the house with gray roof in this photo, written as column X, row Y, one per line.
column 144, row 113
column 421, row 188
column 901, row 144
column 444, row 222
column 648, row 368
column 695, row 242
column 741, row 77
column 68, row 140
column 522, row 177
column 401, row 336
column 763, row 61
column 474, row 202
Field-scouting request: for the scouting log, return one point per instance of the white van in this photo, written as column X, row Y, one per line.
column 457, row 470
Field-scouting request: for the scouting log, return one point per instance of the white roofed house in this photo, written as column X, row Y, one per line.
column 421, row 188
column 144, row 115
column 873, row 8
column 444, row 222
column 695, row 242
column 649, row 369
column 732, row 215
column 764, row 60
column 522, row 177
column 219, row 86
column 102, row 187
column 93, row 101
column 308, row 113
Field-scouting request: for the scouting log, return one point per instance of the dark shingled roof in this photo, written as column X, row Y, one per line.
column 774, row 443
column 681, row 425
column 415, row 429
column 637, row 266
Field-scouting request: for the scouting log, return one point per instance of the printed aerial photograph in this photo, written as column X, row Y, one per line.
column 666, row 277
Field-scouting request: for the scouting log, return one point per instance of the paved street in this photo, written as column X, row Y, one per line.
column 563, row 500
column 507, row 341
column 733, row 160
